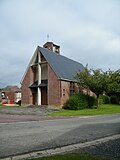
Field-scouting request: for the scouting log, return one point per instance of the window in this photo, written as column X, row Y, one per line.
column 63, row 92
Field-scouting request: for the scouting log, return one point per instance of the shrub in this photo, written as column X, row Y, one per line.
column 92, row 101
column 76, row 102
column 114, row 100
column 104, row 99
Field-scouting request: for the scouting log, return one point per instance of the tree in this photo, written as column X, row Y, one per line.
column 100, row 82
column 113, row 84
column 95, row 80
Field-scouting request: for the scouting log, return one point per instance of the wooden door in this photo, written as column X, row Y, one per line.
column 34, row 98
column 44, row 96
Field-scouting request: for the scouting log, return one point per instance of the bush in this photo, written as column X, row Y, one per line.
column 76, row 102
column 114, row 100
column 92, row 101
column 80, row 101
column 104, row 99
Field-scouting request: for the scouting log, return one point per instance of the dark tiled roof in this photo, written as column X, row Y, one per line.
column 64, row 67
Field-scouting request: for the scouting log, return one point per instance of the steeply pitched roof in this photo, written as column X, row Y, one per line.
column 64, row 67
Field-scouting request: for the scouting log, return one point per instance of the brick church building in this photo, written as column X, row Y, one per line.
column 49, row 77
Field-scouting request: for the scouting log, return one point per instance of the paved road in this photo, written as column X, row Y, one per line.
column 22, row 137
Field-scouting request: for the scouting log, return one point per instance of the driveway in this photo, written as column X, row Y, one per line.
column 24, row 137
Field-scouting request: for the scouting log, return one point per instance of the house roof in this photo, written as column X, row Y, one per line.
column 64, row 67
column 11, row 89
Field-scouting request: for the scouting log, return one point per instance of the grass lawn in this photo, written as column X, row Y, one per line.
column 9, row 105
column 103, row 109
column 1, row 105
column 71, row 157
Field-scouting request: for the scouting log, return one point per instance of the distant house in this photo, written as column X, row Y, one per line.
column 49, row 78
column 10, row 95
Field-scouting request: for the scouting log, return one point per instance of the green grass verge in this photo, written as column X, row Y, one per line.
column 9, row 106
column 103, row 109
column 71, row 157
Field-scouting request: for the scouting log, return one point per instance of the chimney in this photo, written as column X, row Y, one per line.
column 53, row 47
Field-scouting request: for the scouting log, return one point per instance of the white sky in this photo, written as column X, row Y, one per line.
column 88, row 31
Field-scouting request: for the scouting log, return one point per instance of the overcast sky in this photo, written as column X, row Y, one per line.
column 88, row 31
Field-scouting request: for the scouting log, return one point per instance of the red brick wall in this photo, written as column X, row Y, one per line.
column 54, row 95
column 88, row 92
column 48, row 45
column 65, row 91
column 26, row 92
column 10, row 96
column 58, row 90
column 77, row 88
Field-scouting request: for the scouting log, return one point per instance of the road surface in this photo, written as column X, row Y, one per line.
column 24, row 137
